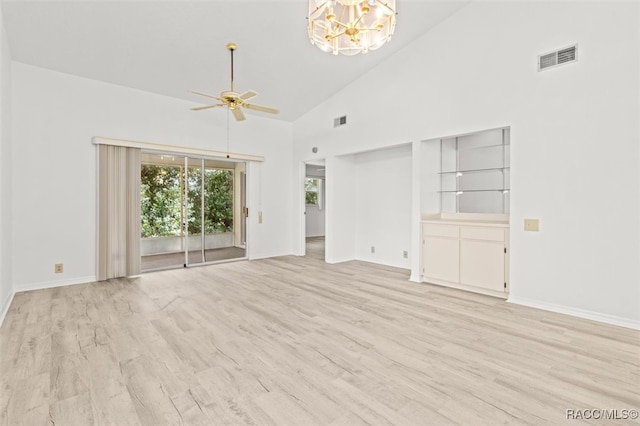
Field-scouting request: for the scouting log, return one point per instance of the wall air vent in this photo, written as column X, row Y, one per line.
column 559, row 57
column 340, row 121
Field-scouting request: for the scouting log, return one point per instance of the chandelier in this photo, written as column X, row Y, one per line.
column 351, row 26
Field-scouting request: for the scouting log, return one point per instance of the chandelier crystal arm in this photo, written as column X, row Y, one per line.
column 369, row 29
column 355, row 24
column 338, row 23
column 335, row 35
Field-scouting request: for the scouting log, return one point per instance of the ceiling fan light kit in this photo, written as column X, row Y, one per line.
column 350, row 27
column 233, row 100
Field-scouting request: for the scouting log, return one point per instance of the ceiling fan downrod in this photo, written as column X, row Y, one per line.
column 231, row 47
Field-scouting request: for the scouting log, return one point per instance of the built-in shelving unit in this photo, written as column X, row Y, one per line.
column 475, row 173
column 465, row 190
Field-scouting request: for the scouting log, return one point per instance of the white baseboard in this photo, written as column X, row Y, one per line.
column 383, row 263
column 5, row 306
column 52, row 284
column 334, row 261
column 267, row 256
column 417, row 278
column 580, row 313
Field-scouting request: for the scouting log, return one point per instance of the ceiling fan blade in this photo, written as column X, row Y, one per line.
column 248, row 94
column 206, row 95
column 261, row 108
column 238, row 114
column 206, row 107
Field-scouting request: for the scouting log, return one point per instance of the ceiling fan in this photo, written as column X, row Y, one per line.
column 233, row 100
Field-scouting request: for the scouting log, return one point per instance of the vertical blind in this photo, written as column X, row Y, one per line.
column 118, row 211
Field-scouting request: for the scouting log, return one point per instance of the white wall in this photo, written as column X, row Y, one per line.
column 340, row 237
column 55, row 116
column 574, row 134
column 383, row 206
column 430, row 200
column 6, row 280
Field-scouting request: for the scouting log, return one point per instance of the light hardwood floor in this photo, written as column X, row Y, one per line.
column 315, row 248
column 294, row 341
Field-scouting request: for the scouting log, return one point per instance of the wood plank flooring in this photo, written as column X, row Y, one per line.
column 315, row 248
column 295, row 341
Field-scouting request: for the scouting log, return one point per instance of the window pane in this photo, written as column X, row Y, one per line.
column 160, row 200
column 218, row 202
column 311, row 184
column 312, row 198
column 194, row 197
column 311, row 187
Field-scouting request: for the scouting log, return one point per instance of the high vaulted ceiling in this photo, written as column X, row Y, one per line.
column 173, row 47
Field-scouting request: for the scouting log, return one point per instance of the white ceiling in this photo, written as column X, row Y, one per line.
column 173, row 47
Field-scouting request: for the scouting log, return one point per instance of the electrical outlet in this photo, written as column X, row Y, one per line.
column 405, row 254
column 373, row 249
column 531, row 225
column 59, row 268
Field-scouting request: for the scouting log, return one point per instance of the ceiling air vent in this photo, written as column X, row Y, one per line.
column 559, row 57
column 340, row 121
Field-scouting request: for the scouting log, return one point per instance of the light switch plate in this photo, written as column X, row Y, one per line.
column 531, row 225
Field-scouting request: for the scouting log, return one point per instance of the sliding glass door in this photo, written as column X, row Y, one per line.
column 196, row 209
column 193, row 208
column 162, row 242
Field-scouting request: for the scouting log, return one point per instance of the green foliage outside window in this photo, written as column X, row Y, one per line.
column 160, row 200
column 311, row 191
column 218, row 201
column 160, row 194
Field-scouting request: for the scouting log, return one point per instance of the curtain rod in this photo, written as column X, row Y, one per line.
column 175, row 149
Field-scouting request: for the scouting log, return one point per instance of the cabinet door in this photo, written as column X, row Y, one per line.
column 482, row 264
column 441, row 257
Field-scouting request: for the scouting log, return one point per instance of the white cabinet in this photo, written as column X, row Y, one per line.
column 482, row 264
column 442, row 255
column 468, row 255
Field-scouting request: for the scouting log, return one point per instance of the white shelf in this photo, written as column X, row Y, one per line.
column 475, row 173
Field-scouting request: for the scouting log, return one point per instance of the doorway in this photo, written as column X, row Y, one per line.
column 192, row 211
column 315, row 209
